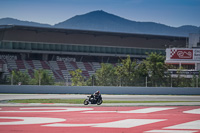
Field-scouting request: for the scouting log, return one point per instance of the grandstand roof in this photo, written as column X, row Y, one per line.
column 88, row 37
column 91, row 32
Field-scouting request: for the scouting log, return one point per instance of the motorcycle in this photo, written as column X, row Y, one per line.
column 93, row 100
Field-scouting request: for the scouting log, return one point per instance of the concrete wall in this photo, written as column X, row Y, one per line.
column 30, row 89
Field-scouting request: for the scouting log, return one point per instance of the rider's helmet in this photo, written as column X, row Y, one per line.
column 97, row 92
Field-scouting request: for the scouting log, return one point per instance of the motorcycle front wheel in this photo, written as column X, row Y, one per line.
column 99, row 102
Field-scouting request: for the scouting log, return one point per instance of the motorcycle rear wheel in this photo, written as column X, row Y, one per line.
column 86, row 102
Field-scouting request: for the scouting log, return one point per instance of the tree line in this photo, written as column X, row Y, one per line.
column 150, row 72
column 40, row 77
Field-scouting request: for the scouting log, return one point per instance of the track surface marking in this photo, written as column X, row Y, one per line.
column 176, row 119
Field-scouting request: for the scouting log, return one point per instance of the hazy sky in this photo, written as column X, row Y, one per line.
column 170, row 12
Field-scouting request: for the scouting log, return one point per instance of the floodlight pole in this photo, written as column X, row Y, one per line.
column 171, row 80
column 120, row 83
column 66, row 77
column 146, row 81
column 92, row 80
column 12, row 79
column 39, row 78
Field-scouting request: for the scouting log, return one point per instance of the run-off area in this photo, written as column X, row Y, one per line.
column 166, row 119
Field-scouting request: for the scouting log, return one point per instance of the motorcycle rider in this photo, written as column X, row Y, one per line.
column 94, row 99
column 95, row 95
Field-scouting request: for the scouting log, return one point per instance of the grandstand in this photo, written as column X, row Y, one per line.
column 59, row 51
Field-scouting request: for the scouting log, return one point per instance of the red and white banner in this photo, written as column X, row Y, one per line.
column 180, row 53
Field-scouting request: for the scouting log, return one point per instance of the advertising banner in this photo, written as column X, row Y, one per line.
column 181, row 54
column 185, row 54
column 196, row 54
column 183, row 72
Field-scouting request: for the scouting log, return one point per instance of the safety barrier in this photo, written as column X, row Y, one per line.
column 34, row 89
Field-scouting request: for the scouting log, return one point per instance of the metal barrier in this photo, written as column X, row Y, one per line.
column 33, row 89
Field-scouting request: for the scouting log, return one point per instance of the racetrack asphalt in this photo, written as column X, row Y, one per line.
column 105, row 97
column 104, row 104
column 194, row 100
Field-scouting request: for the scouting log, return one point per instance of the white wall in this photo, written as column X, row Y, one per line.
column 193, row 40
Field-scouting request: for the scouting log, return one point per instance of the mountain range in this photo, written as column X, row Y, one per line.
column 103, row 21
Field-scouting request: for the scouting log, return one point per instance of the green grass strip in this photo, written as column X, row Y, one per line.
column 80, row 101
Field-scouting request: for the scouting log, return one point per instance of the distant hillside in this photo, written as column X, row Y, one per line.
column 103, row 21
column 11, row 21
column 100, row 20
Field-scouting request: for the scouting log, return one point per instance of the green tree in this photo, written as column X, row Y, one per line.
column 141, row 74
column 195, row 80
column 198, row 80
column 156, row 68
column 42, row 77
column 125, row 72
column 91, row 81
column 19, row 77
column 77, row 78
column 105, row 76
column 181, row 80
